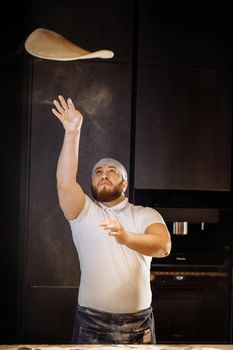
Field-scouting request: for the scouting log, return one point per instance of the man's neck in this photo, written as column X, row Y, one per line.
column 115, row 201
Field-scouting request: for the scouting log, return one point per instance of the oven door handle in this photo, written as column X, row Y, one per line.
column 180, row 275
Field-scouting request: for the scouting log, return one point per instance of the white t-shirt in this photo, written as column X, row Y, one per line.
column 114, row 278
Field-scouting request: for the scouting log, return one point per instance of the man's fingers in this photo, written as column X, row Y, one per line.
column 109, row 222
column 71, row 105
column 58, row 115
column 113, row 227
column 63, row 102
column 58, row 106
column 110, row 226
column 103, row 224
column 113, row 233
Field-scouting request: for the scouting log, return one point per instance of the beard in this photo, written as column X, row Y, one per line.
column 107, row 195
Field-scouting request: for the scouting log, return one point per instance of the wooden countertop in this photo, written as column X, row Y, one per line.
column 117, row 347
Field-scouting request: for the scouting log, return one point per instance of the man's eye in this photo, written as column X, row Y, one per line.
column 113, row 170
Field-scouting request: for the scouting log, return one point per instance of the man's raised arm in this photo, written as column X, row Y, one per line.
column 70, row 194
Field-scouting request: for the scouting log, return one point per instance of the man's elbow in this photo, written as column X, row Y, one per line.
column 62, row 186
column 166, row 251
column 163, row 251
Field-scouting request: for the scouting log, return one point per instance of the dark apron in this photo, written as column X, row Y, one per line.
column 97, row 327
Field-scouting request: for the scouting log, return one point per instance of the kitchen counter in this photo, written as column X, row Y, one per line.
column 117, row 347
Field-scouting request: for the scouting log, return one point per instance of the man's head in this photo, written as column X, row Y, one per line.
column 109, row 180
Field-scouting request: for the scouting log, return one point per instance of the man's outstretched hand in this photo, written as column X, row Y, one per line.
column 68, row 115
column 116, row 230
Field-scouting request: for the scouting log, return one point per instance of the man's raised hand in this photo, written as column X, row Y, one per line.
column 68, row 115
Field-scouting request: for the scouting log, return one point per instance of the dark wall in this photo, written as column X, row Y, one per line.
column 12, row 75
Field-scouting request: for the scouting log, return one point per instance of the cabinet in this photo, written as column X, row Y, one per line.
column 193, row 33
column 184, row 97
column 183, row 128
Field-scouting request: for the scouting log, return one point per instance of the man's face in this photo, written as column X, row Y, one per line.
column 107, row 183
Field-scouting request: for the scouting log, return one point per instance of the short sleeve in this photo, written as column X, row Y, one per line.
column 85, row 210
column 151, row 216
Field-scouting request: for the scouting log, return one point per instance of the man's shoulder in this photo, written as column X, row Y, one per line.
column 90, row 209
column 137, row 207
column 145, row 215
column 141, row 209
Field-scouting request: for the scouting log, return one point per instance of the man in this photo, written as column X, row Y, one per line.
column 115, row 241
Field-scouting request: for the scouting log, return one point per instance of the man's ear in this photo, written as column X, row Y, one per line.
column 125, row 185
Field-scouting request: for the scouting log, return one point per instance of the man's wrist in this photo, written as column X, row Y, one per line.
column 128, row 238
column 71, row 135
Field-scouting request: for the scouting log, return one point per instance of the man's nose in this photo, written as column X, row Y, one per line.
column 104, row 176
